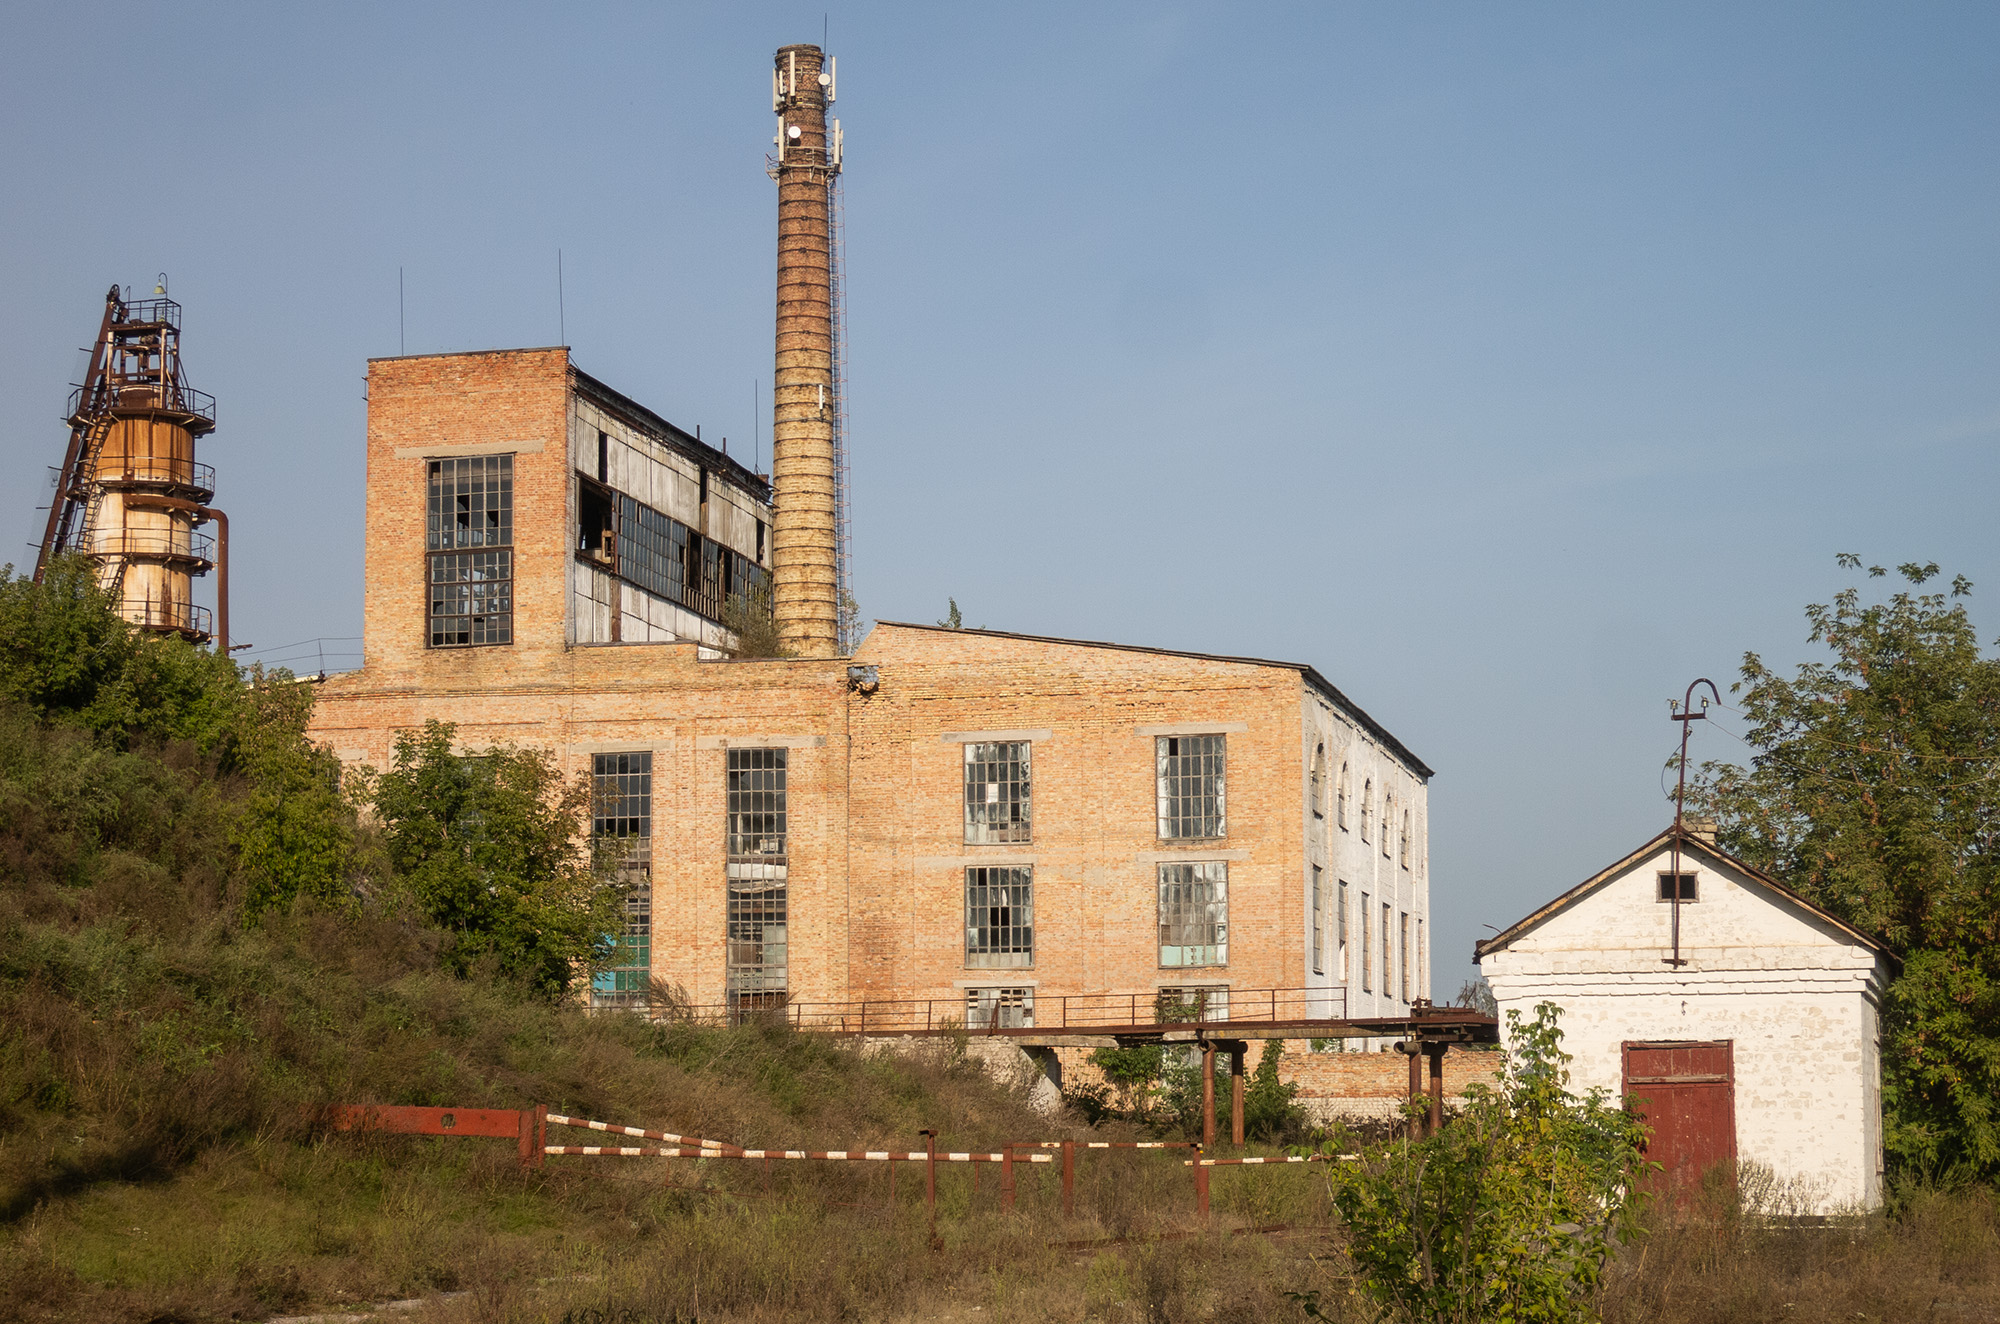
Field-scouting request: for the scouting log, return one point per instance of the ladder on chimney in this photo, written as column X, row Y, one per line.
column 849, row 627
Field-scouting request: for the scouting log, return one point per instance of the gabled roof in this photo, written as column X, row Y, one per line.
column 1690, row 846
column 1312, row 677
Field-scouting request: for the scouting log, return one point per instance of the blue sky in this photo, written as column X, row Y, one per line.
column 1512, row 364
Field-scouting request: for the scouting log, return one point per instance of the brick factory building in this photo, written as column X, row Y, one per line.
column 1000, row 826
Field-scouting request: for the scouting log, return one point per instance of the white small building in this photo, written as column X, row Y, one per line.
column 1763, row 1045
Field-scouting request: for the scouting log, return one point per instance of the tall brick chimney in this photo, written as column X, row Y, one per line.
column 805, row 575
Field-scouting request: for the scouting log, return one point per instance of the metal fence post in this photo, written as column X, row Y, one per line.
column 1236, row 1056
column 1207, row 1093
column 1069, row 1178
column 1200, row 1184
column 1007, row 1177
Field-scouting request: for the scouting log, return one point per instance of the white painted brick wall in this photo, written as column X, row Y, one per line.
column 1797, row 996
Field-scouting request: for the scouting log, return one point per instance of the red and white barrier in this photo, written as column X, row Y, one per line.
column 828, row 1155
column 556, row 1119
column 1278, row 1158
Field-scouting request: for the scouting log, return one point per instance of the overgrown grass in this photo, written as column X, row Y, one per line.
column 1933, row 1255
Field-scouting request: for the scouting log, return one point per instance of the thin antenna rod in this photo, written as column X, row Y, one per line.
column 1684, row 712
column 400, row 349
column 562, row 320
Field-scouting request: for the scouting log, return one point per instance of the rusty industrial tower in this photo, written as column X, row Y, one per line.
column 130, row 494
column 807, row 542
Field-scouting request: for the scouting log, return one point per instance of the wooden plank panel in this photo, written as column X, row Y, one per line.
column 1686, row 1093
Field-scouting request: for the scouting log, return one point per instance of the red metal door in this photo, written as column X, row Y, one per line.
column 1686, row 1092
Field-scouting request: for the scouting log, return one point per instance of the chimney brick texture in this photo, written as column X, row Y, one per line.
column 804, row 575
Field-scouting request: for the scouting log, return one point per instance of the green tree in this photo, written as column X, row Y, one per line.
column 1510, row 1212
column 493, row 846
column 67, row 656
column 1874, row 791
column 295, row 835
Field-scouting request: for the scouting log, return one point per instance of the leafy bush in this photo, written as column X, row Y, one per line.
column 1510, row 1212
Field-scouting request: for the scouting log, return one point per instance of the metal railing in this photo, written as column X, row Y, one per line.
column 153, row 614
column 179, row 399
column 1137, row 1012
column 159, row 471
column 155, row 545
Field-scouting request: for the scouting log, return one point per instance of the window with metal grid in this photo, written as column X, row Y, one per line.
column 469, row 534
column 1191, row 774
column 757, row 958
column 757, row 949
column 630, row 975
column 756, row 802
column 621, row 815
column 1194, row 914
column 1319, row 923
column 999, row 805
column 999, row 1008
column 621, row 799
column 1000, row 917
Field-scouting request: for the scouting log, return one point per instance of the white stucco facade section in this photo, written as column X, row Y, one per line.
column 1366, row 824
column 1795, row 995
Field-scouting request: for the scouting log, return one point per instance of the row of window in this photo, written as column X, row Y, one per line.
column 1191, row 790
column 1395, row 831
column 1192, row 895
column 469, row 550
column 656, row 552
column 1395, row 928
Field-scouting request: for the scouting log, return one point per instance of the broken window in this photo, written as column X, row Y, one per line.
column 1367, row 805
column 1192, row 1003
column 756, row 961
column 1687, row 888
column 1000, row 917
column 621, row 821
column 1316, row 788
column 1341, row 791
column 1367, row 950
column 1404, row 850
column 1388, row 819
column 998, row 803
column 1194, row 913
column 999, row 1008
column 471, row 506
column 597, row 525
column 1319, row 924
column 1191, row 776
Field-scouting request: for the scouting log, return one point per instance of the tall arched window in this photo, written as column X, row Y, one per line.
column 1367, row 805
column 1342, row 790
column 1319, row 782
column 1405, row 848
column 1388, row 818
